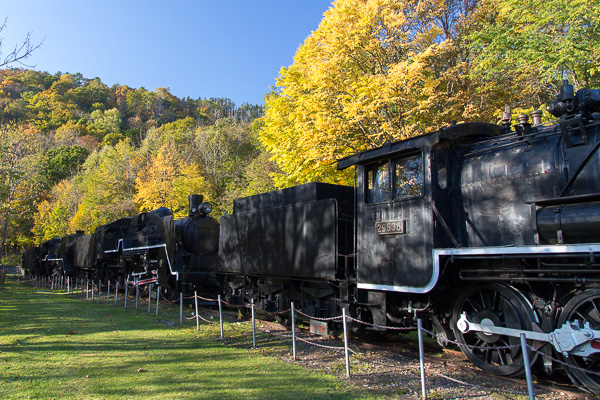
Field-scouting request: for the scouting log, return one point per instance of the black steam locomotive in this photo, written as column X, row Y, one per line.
column 485, row 232
column 152, row 247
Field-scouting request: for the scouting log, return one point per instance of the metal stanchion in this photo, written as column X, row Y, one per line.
column 527, row 367
column 126, row 291
column 137, row 293
column 293, row 330
column 99, row 291
column 157, row 298
column 197, row 315
column 68, row 285
column 87, row 288
column 253, row 325
column 107, row 291
column 220, row 315
column 117, row 295
column 149, row 297
column 422, row 359
column 181, row 308
column 346, row 344
column 92, row 290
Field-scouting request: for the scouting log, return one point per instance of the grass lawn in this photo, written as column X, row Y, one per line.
column 53, row 346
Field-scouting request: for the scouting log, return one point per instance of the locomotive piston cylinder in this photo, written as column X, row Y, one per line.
column 569, row 223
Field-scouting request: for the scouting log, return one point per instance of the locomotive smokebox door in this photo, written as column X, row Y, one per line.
column 394, row 219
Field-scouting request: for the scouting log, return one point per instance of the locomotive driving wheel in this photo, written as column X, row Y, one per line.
column 494, row 304
column 584, row 307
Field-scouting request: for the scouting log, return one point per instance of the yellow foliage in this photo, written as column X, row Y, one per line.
column 166, row 180
column 374, row 71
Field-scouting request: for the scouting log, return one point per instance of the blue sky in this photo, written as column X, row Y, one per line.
column 202, row 48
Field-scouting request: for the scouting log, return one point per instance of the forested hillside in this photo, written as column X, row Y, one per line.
column 76, row 154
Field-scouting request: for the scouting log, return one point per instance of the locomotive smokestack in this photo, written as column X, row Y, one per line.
column 506, row 117
column 195, row 201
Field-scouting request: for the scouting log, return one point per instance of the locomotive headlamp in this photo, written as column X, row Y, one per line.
column 206, row 208
column 193, row 210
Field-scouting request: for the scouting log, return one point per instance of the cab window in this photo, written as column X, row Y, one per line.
column 408, row 177
column 395, row 179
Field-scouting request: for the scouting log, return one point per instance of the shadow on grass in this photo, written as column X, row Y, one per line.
column 55, row 346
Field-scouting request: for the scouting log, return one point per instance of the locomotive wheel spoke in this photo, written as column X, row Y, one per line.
column 584, row 307
column 494, row 304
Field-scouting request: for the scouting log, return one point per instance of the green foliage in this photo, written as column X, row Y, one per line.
column 539, row 42
column 108, row 185
column 61, row 163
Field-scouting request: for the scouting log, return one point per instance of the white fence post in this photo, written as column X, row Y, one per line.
column 220, row 316
column 293, row 330
column 346, row 344
column 422, row 359
column 180, row 308
column 197, row 315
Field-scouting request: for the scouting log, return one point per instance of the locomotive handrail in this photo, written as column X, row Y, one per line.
column 157, row 246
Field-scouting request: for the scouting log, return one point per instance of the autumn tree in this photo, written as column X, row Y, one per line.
column 224, row 152
column 19, row 182
column 54, row 215
column 108, row 185
column 61, row 163
column 533, row 45
column 166, row 180
column 373, row 71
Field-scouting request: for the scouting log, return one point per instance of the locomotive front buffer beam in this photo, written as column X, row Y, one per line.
column 573, row 338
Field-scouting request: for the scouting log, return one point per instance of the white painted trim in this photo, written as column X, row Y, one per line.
column 479, row 251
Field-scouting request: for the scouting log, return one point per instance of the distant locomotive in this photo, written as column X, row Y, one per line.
column 151, row 247
column 482, row 231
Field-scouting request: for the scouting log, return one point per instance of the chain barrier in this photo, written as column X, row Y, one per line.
column 312, row 343
column 395, row 328
column 487, row 390
column 563, row 363
column 317, row 318
column 461, row 345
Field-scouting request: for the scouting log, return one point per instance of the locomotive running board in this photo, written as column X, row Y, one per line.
column 541, row 251
column 573, row 338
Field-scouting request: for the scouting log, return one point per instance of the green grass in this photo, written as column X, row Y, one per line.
column 56, row 347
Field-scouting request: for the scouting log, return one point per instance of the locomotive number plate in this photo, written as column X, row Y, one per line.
column 390, row 227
